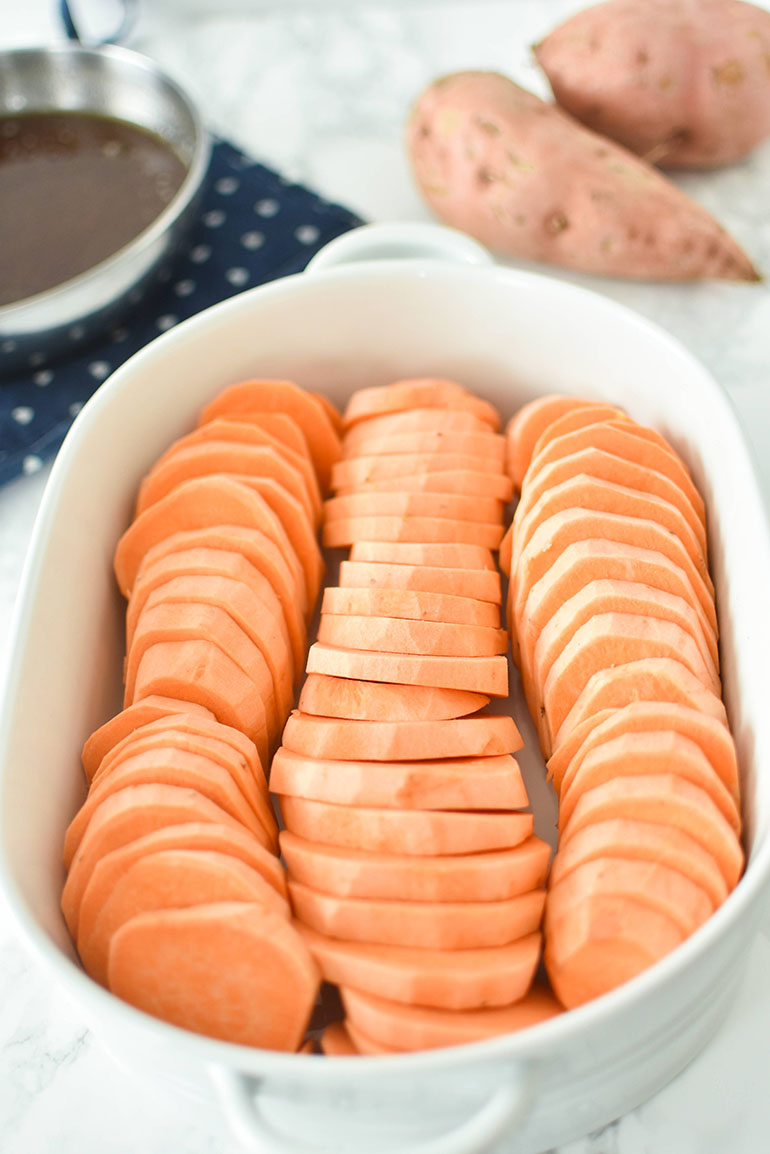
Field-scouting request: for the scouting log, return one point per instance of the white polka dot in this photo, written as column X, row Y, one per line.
column 227, row 185
column 75, row 408
column 307, row 234
column 7, row 346
column 215, row 218
column 267, row 207
column 99, row 369
column 200, row 254
column 23, row 414
column 43, row 377
column 184, row 288
column 253, row 240
column 167, row 321
column 31, row 464
column 77, row 332
column 237, row 276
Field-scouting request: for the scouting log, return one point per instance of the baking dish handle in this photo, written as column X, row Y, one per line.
column 239, row 1098
column 408, row 240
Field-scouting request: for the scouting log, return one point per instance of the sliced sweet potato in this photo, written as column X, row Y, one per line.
column 466, row 482
column 346, row 531
column 525, row 427
column 613, row 639
column 403, row 635
column 266, row 981
column 472, row 444
column 380, row 467
column 258, row 550
column 602, row 942
column 440, row 554
column 454, row 506
column 480, row 584
column 420, row 832
column 414, row 420
column 180, row 623
column 409, row 1027
column 426, row 925
column 140, row 713
column 666, row 799
column 337, row 739
column 308, row 412
column 488, row 675
column 645, row 841
column 298, row 525
column 171, row 879
column 711, row 735
column 494, row 875
column 584, row 413
column 410, row 604
column 202, row 503
column 447, row 979
column 201, row 671
column 132, row 813
column 422, row 392
column 650, row 679
column 336, row 1042
column 346, row 697
column 171, row 767
column 490, row 782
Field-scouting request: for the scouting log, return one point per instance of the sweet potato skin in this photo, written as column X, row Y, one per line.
column 527, row 180
column 684, row 84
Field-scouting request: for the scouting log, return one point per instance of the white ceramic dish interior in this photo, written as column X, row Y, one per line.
column 439, row 307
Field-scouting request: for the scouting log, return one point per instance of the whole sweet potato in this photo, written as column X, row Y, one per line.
column 528, row 181
column 684, row 83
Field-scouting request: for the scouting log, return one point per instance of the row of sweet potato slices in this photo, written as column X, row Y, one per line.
column 413, row 869
column 175, row 894
column 614, row 627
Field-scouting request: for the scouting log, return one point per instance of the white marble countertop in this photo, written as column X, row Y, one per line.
column 320, row 91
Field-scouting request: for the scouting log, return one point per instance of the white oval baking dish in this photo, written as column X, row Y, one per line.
column 436, row 306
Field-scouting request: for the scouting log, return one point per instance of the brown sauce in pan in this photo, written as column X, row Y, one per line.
column 74, row 188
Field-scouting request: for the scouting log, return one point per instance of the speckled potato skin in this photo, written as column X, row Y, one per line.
column 684, row 83
column 528, row 181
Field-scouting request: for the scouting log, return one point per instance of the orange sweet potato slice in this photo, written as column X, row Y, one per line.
column 472, row 444
column 204, row 502
column 483, row 735
column 415, row 420
column 465, row 482
column 180, row 623
column 336, row 1042
column 712, row 736
column 465, row 783
column 201, row 671
column 419, row 832
column 275, row 431
column 404, row 635
column 488, row 675
column 171, row 879
column 602, row 942
column 665, row 799
column 299, row 528
column 245, row 546
column 132, row 813
column 494, row 875
column 525, row 427
column 420, row 392
column 409, row 1027
column 140, row 713
column 266, row 983
column 409, row 604
column 649, row 679
column 100, row 875
column 425, row 925
column 479, row 584
column 645, row 841
column 346, row 697
column 453, row 506
column 441, row 554
column 308, row 412
column 645, row 752
column 447, row 979
column 585, row 413
column 345, row 531
column 169, row 767
column 378, row 468
column 612, row 639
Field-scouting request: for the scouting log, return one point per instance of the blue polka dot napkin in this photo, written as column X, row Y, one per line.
column 254, row 226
